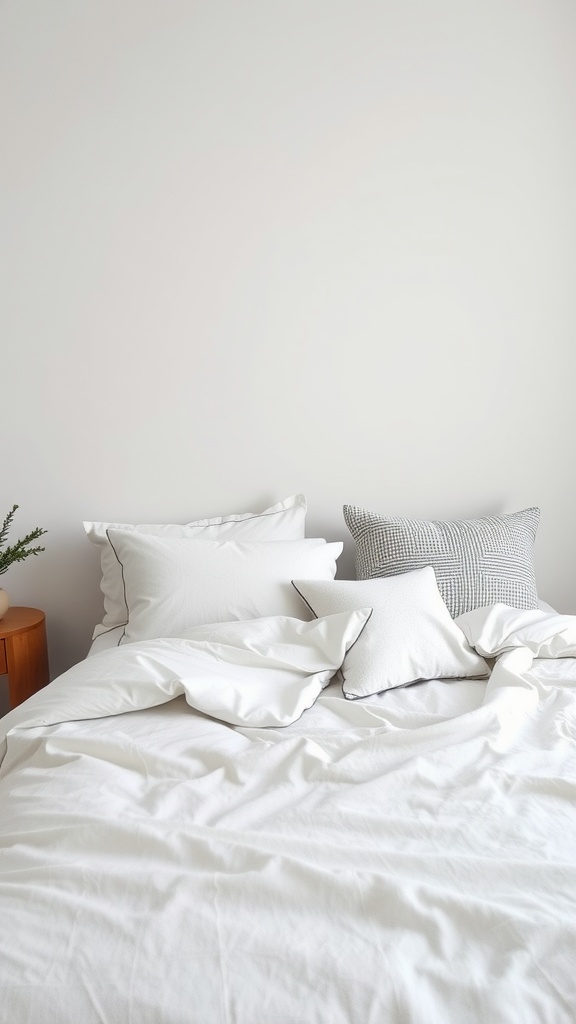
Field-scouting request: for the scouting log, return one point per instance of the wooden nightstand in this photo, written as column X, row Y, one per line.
column 23, row 652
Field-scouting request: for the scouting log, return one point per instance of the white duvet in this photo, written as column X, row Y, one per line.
column 408, row 858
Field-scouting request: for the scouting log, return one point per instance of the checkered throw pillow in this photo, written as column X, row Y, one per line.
column 476, row 561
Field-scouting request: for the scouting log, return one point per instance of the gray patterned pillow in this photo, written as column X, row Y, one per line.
column 477, row 561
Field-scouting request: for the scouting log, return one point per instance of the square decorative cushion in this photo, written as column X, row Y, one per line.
column 409, row 637
column 171, row 584
column 477, row 561
column 286, row 520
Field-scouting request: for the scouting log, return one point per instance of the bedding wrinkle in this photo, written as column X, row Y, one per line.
column 228, row 1014
column 408, row 858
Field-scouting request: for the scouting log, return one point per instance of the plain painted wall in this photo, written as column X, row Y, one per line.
column 257, row 247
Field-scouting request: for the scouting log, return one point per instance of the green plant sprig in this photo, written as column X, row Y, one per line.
column 21, row 549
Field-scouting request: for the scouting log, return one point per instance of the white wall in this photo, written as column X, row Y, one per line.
column 256, row 247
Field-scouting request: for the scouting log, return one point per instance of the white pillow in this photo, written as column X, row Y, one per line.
column 173, row 584
column 286, row 520
column 409, row 637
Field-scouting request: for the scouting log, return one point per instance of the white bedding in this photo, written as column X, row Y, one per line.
column 403, row 858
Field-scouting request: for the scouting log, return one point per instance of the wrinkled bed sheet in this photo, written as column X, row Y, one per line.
column 407, row 858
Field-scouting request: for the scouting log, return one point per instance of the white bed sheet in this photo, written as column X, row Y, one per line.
column 408, row 858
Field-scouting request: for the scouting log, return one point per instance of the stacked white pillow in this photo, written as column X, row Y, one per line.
column 285, row 520
column 171, row 584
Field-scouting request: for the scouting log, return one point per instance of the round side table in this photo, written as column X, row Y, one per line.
column 23, row 652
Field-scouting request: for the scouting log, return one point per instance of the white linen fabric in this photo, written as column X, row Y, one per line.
column 264, row 672
column 172, row 584
column 410, row 636
column 357, row 865
column 477, row 561
column 498, row 628
column 285, row 520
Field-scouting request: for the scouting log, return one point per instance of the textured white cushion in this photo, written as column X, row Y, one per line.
column 286, row 520
column 410, row 635
column 173, row 584
column 477, row 561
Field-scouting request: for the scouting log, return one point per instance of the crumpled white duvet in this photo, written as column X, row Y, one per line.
column 408, row 858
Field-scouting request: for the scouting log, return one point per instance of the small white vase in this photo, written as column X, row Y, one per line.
column 4, row 602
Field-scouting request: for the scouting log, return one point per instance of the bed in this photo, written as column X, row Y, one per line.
column 269, row 795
